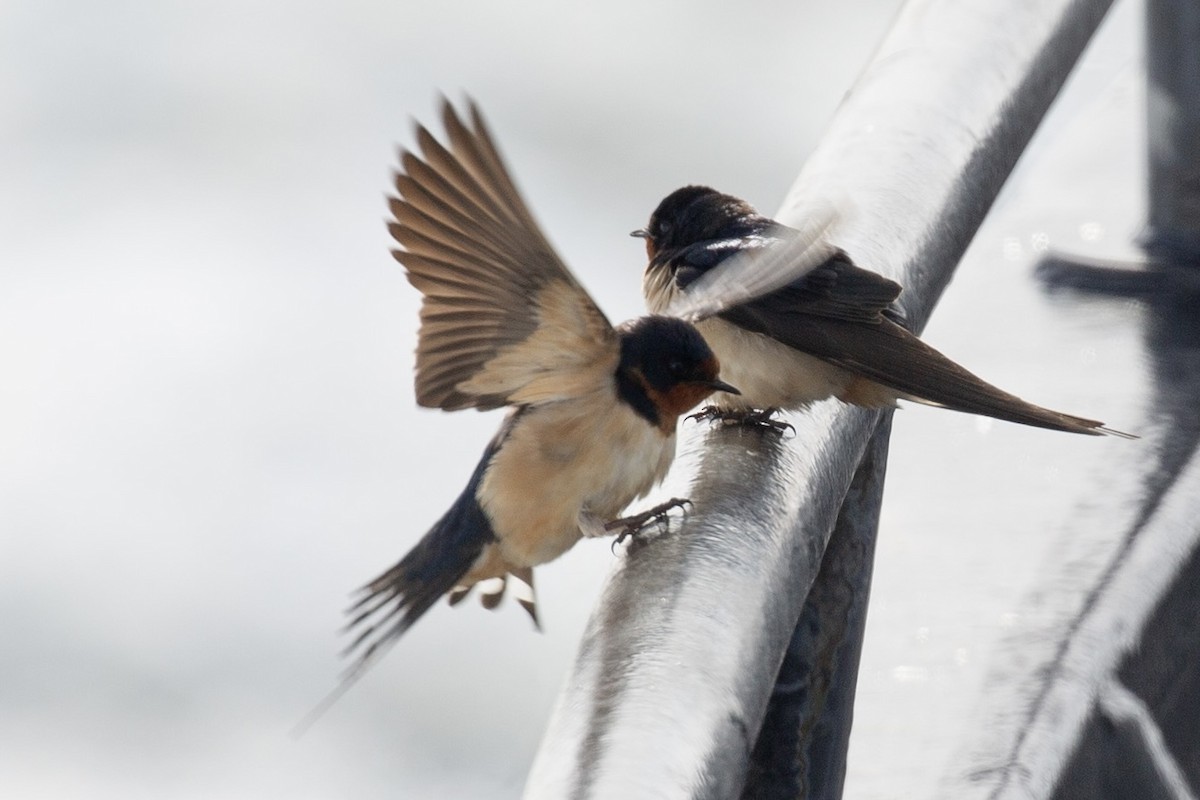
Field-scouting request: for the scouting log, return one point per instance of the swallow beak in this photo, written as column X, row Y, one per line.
column 640, row 233
column 721, row 386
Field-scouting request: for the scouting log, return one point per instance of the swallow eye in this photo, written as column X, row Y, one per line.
column 676, row 367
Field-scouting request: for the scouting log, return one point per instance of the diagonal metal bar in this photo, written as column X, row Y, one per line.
column 801, row 747
column 678, row 663
column 1141, row 738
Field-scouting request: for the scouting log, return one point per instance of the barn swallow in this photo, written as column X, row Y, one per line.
column 504, row 323
column 832, row 330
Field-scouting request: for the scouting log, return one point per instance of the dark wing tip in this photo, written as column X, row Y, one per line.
column 477, row 119
column 455, row 124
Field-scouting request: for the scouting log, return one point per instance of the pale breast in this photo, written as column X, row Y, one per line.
column 592, row 455
column 769, row 374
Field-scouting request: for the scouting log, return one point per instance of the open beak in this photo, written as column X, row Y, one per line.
column 721, row 386
column 640, row 233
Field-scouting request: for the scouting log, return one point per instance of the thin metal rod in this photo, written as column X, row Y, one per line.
column 1143, row 741
column 679, row 660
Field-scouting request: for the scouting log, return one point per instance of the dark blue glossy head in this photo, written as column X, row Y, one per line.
column 666, row 368
column 696, row 214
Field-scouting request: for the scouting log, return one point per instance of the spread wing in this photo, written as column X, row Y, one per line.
column 503, row 321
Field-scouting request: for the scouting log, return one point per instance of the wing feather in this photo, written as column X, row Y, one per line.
column 751, row 273
column 503, row 320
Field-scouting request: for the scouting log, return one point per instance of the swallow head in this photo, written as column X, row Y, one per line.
column 666, row 368
column 689, row 215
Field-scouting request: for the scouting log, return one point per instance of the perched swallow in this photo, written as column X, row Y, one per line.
column 834, row 331
column 505, row 323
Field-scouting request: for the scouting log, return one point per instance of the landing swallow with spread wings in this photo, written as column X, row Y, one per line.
column 504, row 323
column 827, row 328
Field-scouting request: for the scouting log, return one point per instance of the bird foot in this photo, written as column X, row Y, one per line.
column 753, row 417
column 632, row 526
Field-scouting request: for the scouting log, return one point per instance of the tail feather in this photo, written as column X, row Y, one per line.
column 390, row 604
column 525, row 594
column 892, row 356
column 932, row 378
column 491, row 590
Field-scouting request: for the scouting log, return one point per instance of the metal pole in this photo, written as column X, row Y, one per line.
column 679, row 660
column 801, row 747
column 1171, row 239
column 1173, row 124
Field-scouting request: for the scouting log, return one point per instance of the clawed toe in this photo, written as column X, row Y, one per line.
column 711, row 413
column 633, row 525
column 751, row 417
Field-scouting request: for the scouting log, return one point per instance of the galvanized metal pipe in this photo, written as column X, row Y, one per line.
column 801, row 747
column 679, row 660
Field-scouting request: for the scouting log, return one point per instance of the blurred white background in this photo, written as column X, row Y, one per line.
column 207, row 429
